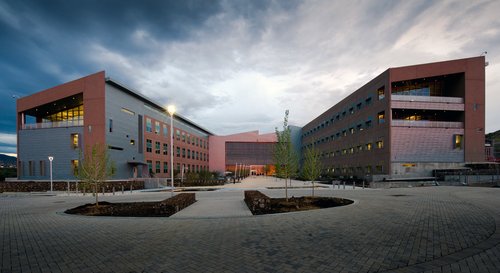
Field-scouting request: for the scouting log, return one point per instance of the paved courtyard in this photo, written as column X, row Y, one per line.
column 431, row 229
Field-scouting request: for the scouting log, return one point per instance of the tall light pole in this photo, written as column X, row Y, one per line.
column 51, row 185
column 171, row 112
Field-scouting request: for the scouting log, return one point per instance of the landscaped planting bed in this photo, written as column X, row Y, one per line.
column 163, row 208
column 259, row 203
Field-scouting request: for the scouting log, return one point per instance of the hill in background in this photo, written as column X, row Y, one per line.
column 493, row 135
column 8, row 161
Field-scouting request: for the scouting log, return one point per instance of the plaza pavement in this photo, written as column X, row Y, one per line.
column 431, row 229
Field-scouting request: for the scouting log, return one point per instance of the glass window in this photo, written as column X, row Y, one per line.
column 183, row 152
column 150, row 166
column 157, row 127
column 189, row 154
column 42, row 167
column 165, row 149
column 74, row 141
column 74, row 167
column 165, row 167
column 183, row 137
column 188, row 138
column 148, row 125
column 381, row 93
column 157, row 147
column 368, row 101
column 157, row 167
column 178, row 134
column 458, row 141
column 178, row 151
column 380, row 144
column 125, row 110
column 149, row 145
column 368, row 146
column 165, row 130
column 381, row 117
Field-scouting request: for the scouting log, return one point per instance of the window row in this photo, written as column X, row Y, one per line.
column 352, row 150
column 162, row 148
column 157, row 126
column 189, row 139
column 350, row 131
column 179, row 135
column 344, row 170
column 163, row 167
column 40, row 168
column 348, row 111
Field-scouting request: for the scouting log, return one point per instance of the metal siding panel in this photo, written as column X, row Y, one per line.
column 38, row 144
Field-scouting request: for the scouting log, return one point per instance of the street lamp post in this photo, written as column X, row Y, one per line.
column 51, row 184
column 171, row 112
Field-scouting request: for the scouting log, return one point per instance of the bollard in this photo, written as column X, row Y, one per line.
column 353, row 185
column 103, row 191
column 113, row 190
column 130, row 188
column 344, row 185
column 363, row 184
column 338, row 185
column 123, row 189
column 84, row 191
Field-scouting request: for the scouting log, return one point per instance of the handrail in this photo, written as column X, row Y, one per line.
column 427, row 99
column 55, row 124
column 427, row 123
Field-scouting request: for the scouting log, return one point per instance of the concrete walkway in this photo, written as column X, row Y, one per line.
column 215, row 207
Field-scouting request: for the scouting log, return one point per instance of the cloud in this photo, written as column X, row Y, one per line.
column 10, row 139
column 236, row 66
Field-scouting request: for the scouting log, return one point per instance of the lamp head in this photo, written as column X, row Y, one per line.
column 171, row 110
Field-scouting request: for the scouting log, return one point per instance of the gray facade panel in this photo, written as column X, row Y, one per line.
column 425, row 145
column 123, row 138
column 37, row 145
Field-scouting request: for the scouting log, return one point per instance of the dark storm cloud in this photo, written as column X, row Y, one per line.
column 44, row 43
column 226, row 63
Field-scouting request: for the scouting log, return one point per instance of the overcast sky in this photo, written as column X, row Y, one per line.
column 235, row 66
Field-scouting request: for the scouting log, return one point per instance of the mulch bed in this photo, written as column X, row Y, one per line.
column 163, row 208
column 280, row 205
column 259, row 203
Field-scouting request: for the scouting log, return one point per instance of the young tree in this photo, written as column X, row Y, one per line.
column 311, row 169
column 285, row 158
column 95, row 167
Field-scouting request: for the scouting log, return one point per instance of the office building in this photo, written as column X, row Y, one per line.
column 405, row 122
column 62, row 120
